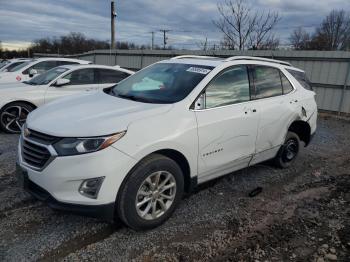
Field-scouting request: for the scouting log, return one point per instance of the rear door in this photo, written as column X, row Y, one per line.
column 274, row 101
column 81, row 80
column 227, row 126
column 109, row 77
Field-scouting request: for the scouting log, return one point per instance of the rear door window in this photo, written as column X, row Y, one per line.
column 267, row 82
column 107, row 76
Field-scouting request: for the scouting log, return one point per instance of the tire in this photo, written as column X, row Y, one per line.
column 136, row 190
column 13, row 116
column 289, row 151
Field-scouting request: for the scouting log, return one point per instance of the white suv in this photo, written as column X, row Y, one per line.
column 25, row 71
column 134, row 149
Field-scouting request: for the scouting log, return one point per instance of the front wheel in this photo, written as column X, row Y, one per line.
column 151, row 193
column 288, row 151
column 13, row 116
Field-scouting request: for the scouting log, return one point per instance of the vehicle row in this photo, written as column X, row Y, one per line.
column 53, row 78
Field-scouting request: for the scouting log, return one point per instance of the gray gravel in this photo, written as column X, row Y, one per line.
column 300, row 211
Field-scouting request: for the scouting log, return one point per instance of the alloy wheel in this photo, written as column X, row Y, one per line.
column 155, row 195
column 13, row 117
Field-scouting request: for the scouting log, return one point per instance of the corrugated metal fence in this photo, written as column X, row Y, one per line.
column 329, row 71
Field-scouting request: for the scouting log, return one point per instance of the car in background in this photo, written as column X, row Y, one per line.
column 133, row 150
column 33, row 67
column 17, row 100
column 9, row 64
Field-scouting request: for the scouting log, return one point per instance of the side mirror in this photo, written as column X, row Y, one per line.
column 32, row 72
column 62, row 82
column 200, row 102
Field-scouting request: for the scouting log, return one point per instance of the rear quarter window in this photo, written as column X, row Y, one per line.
column 301, row 78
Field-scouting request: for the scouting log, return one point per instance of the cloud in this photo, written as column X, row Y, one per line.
column 190, row 21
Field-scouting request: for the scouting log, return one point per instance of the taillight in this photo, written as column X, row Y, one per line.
column 18, row 78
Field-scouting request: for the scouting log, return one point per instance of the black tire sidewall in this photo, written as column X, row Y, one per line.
column 279, row 159
column 28, row 107
column 126, row 202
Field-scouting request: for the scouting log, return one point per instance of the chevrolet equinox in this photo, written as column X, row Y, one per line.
column 131, row 151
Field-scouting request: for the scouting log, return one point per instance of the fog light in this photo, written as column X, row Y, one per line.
column 91, row 187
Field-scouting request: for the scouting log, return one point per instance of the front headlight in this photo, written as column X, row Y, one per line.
column 77, row 146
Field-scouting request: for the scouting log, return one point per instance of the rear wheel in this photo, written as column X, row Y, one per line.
column 289, row 150
column 151, row 193
column 13, row 116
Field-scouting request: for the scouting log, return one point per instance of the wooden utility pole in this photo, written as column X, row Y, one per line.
column 164, row 31
column 152, row 46
column 113, row 15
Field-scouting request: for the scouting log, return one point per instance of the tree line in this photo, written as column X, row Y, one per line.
column 242, row 28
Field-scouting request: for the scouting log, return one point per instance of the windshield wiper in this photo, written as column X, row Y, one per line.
column 28, row 83
column 135, row 98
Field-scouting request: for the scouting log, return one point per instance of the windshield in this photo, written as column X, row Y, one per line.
column 48, row 76
column 19, row 67
column 161, row 83
column 3, row 63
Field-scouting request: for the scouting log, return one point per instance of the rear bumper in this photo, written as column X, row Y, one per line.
column 104, row 212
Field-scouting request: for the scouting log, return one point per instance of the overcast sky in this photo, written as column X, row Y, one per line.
column 22, row 21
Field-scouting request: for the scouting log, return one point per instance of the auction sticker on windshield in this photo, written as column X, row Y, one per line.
column 198, row 70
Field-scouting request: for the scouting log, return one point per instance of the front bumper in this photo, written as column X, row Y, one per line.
column 58, row 183
column 104, row 212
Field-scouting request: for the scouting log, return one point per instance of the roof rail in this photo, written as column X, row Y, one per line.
column 194, row 56
column 258, row 59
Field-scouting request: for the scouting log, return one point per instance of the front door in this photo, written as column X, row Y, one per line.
column 81, row 80
column 227, row 125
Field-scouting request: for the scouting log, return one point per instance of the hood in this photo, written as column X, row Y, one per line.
column 90, row 114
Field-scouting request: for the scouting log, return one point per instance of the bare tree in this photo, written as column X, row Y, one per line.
column 335, row 31
column 242, row 27
column 203, row 45
column 270, row 43
column 300, row 39
column 261, row 36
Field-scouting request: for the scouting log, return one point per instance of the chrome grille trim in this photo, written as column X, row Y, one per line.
column 36, row 157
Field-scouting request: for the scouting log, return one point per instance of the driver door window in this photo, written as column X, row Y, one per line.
column 41, row 67
column 82, row 77
column 230, row 87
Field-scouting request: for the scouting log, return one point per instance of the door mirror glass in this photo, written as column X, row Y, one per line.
column 62, row 82
column 200, row 102
column 32, row 72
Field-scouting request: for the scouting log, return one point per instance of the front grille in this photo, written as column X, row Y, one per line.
column 35, row 155
column 42, row 138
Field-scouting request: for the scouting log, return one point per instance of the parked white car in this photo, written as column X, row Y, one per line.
column 33, row 67
column 133, row 150
column 9, row 64
column 17, row 100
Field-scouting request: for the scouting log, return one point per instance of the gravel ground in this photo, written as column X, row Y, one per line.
column 302, row 214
